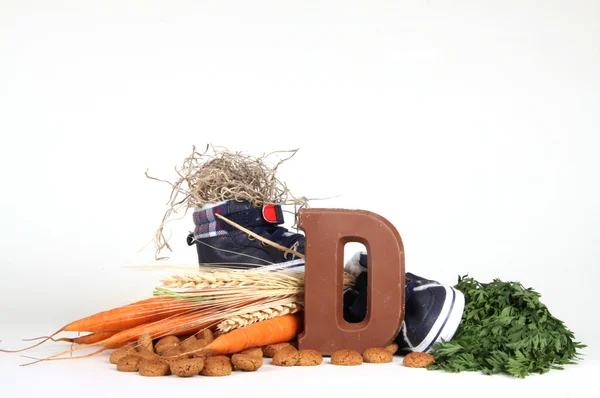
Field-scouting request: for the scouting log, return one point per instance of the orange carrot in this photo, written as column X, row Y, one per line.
column 88, row 338
column 177, row 325
column 131, row 315
column 271, row 331
column 125, row 317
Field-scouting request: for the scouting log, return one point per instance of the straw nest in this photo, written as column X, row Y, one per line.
column 218, row 174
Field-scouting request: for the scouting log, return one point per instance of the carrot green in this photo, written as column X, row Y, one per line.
column 505, row 328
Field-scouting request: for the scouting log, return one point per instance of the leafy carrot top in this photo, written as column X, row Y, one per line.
column 505, row 329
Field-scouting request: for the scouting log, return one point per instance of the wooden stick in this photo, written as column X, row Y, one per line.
column 264, row 240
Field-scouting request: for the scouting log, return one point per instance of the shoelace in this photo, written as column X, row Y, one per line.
column 277, row 234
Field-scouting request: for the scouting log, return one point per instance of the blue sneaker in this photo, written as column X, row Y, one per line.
column 223, row 245
column 433, row 311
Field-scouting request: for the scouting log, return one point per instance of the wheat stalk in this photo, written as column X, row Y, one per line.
column 242, row 320
column 215, row 277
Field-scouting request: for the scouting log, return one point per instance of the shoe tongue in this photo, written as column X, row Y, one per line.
column 233, row 205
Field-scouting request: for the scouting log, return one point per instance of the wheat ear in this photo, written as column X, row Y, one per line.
column 212, row 277
column 242, row 320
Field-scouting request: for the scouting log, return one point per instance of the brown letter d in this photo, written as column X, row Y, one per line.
column 327, row 231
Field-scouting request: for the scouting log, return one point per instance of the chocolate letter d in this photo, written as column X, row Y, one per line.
column 327, row 231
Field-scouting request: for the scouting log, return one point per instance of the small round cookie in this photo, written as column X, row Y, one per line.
column 377, row 355
column 145, row 342
column 253, row 352
column 346, row 358
column 122, row 352
column 161, row 349
column 187, row 367
column 206, row 335
column 175, row 354
column 154, row 367
column 184, row 337
column 287, row 356
column 246, row 362
column 310, row 358
column 144, row 353
column 219, row 365
column 417, row 359
column 166, row 343
column 392, row 347
column 129, row 363
column 188, row 341
column 270, row 350
column 195, row 348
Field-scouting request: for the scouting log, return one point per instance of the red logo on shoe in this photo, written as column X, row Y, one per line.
column 269, row 213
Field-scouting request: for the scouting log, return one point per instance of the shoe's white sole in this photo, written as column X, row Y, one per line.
column 455, row 317
column 353, row 266
column 447, row 323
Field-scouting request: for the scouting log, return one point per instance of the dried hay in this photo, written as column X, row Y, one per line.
column 218, row 174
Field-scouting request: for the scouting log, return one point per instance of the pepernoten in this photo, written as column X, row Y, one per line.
column 505, row 329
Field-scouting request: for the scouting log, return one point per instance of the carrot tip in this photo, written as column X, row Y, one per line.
column 42, row 337
column 13, row 351
column 34, row 338
column 36, row 360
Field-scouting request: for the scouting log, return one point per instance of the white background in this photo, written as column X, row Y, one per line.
column 471, row 126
